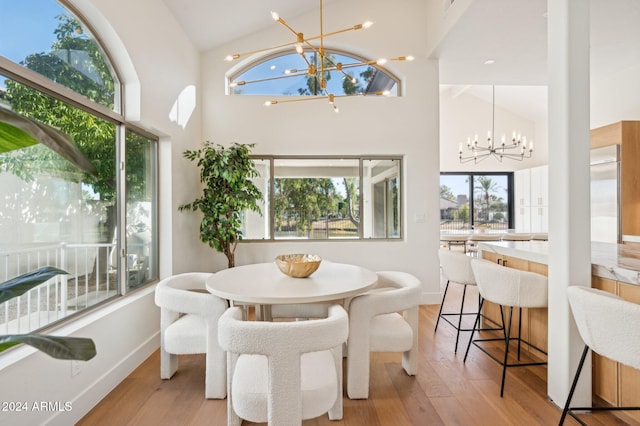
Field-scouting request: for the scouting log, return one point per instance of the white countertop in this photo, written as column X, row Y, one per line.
column 608, row 260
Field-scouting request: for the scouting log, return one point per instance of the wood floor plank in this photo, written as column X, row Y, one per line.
column 444, row 392
column 417, row 405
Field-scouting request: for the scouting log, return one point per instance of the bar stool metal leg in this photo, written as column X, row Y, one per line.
column 444, row 297
column 506, row 350
column 573, row 388
column 506, row 338
column 464, row 293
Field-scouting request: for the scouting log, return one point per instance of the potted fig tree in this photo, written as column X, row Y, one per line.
column 228, row 192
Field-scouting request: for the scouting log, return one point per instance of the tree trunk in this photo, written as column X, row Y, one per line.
column 231, row 258
column 349, row 201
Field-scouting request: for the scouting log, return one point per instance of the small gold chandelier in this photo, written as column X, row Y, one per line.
column 514, row 149
column 311, row 70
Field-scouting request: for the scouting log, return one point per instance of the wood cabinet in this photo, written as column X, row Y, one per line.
column 627, row 135
column 605, row 371
column 613, row 382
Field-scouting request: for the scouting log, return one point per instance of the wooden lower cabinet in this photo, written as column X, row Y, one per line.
column 605, row 371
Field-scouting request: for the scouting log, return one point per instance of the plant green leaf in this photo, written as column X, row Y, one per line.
column 26, row 129
column 12, row 138
column 25, row 282
column 77, row 348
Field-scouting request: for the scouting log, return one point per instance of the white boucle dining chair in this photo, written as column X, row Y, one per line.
column 383, row 320
column 283, row 372
column 189, row 325
column 608, row 326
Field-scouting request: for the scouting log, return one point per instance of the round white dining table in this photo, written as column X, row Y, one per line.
column 265, row 284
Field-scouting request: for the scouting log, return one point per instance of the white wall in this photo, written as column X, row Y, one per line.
column 405, row 125
column 616, row 98
column 158, row 63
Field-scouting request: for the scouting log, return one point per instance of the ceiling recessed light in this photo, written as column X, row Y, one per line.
column 489, row 61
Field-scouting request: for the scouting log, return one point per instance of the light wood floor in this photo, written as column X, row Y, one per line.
column 445, row 391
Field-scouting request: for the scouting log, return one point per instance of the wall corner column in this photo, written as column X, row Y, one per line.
column 569, row 196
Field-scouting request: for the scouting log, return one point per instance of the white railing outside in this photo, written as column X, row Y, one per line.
column 92, row 278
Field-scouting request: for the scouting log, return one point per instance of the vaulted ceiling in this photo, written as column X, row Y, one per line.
column 511, row 33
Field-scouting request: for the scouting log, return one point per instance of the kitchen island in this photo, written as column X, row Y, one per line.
column 617, row 262
column 614, row 268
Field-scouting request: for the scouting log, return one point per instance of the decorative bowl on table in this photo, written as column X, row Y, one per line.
column 299, row 265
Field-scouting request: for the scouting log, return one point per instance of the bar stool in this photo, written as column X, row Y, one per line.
column 512, row 288
column 456, row 268
column 511, row 236
column 608, row 325
column 475, row 238
column 455, row 240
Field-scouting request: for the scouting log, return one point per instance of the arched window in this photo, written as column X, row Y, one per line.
column 78, row 180
column 287, row 75
column 50, row 40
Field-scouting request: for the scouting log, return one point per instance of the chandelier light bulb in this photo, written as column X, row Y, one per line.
column 299, row 43
column 381, row 61
column 275, row 16
column 367, row 24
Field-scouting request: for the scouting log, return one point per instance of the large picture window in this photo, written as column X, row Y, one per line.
column 83, row 201
column 313, row 198
column 476, row 201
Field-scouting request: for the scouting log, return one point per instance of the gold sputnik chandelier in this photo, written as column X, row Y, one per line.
column 311, row 70
column 514, row 149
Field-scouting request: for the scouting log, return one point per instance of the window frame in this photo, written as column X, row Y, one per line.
column 510, row 193
column 361, row 159
column 115, row 116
